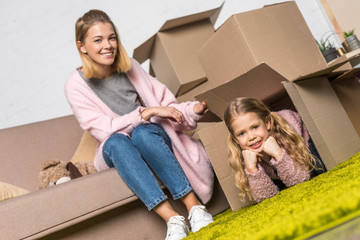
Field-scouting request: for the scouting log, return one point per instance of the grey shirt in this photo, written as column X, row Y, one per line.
column 116, row 91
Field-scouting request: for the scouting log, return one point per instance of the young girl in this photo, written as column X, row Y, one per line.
column 265, row 147
column 139, row 126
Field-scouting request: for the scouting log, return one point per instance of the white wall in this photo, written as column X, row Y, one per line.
column 38, row 52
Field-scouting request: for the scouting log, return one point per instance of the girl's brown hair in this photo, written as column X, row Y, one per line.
column 285, row 135
column 122, row 61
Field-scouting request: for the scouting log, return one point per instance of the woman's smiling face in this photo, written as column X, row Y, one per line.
column 100, row 44
column 250, row 131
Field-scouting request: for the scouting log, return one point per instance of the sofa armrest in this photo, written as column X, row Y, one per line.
column 39, row 213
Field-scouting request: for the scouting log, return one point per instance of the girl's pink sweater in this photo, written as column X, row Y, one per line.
column 97, row 118
column 288, row 171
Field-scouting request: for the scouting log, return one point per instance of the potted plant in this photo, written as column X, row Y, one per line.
column 327, row 48
column 351, row 40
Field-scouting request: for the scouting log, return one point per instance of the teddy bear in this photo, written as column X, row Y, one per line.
column 54, row 172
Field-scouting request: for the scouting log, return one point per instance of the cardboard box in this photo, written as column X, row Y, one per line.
column 277, row 35
column 172, row 50
column 330, row 127
column 190, row 96
column 328, row 123
column 200, row 125
column 261, row 82
column 214, row 139
column 347, row 88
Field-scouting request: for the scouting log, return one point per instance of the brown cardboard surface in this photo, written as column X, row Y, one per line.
column 143, row 52
column 214, row 138
column 351, row 73
column 277, row 35
column 181, row 44
column 161, row 58
column 194, row 133
column 261, row 82
column 324, row 116
column 190, row 96
column 347, row 88
column 172, row 50
column 211, row 14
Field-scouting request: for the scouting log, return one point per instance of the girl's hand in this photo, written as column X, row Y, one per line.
column 200, row 108
column 272, row 148
column 170, row 113
column 250, row 160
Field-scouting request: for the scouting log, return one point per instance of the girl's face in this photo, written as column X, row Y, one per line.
column 100, row 45
column 250, row 131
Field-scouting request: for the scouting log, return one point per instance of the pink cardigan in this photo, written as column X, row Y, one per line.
column 96, row 117
column 287, row 170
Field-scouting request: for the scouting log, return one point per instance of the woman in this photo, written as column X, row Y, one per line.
column 139, row 126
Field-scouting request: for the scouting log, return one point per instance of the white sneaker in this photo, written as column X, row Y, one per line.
column 199, row 217
column 176, row 228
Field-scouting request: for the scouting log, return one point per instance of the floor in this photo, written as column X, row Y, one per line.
column 349, row 230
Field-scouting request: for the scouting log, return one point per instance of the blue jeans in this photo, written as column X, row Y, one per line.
column 149, row 150
column 319, row 165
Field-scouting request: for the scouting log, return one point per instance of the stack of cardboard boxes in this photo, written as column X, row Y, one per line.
column 269, row 54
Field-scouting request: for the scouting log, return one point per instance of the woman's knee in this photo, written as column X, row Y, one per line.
column 142, row 132
column 114, row 141
column 116, row 148
column 147, row 134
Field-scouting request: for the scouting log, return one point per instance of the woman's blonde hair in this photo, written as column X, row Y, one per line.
column 122, row 61
column 285, row 135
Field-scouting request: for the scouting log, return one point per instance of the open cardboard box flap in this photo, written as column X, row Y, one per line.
column 355, row 72
column 143, row 52
column 250, row 84
column 333, row 65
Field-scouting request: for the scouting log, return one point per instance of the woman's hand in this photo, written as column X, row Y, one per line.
column 272, row 148
column 250, row 160
column 164, row 112
column 200, row 108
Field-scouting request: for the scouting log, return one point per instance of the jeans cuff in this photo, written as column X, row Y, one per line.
column 156, row 202
column 183, row 193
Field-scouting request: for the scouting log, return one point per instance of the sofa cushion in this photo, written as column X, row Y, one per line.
column 85, row 151
column 8, row 191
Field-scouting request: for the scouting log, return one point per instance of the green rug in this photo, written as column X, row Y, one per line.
column 298, row 212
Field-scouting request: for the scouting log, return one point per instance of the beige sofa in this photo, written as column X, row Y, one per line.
column 97, row 206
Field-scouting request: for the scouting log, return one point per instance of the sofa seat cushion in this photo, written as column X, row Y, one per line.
column 8, row 191
column 85, row 151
